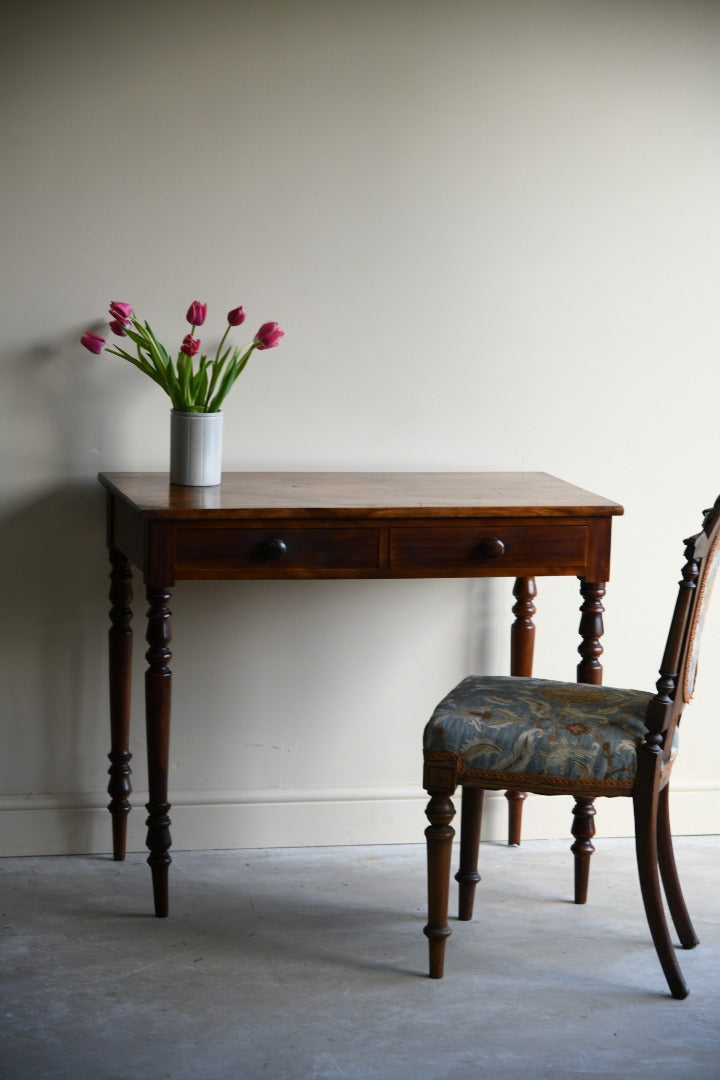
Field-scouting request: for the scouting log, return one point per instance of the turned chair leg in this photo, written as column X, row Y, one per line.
column 583, row 830
column 470, row 824
column 515, row 800
column 669, row 874
column 646, row 848
column 439, row 834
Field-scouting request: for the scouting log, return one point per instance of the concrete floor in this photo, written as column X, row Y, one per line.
column 311, row 964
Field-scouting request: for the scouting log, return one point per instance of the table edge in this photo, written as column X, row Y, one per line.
column 595, row 506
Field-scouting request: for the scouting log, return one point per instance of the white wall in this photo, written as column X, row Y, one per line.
column 490, row 231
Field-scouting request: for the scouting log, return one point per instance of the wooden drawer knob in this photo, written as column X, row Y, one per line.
column 492, row 548
column 274, row 549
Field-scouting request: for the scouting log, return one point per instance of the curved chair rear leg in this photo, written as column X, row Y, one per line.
column 646, row 848
column 470, row 823
column 669, row 874
column 440, row 812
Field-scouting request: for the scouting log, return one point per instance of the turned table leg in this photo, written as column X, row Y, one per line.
column 120, row 639
column 522, row 646
column 158, row 682
column 589, row 671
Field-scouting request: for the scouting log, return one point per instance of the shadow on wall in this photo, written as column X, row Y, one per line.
column 69, row 414
column 51, row 640
column 59, row 428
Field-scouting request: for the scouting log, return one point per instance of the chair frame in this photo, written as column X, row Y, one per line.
column 657, row 869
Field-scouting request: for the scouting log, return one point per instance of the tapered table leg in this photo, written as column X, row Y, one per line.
column 120, row 639
column 158, row 682
column 522, row 647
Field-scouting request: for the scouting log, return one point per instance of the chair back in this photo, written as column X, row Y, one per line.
column 678, row 670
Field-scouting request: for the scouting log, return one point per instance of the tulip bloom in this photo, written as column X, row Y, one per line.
column 268, row 336
column 190, row 345
column 196, row 313
column 93, row 342
column 121, row 312
column 199, row 386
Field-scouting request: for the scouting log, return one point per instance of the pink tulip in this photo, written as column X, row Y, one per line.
column 236, row 316
column 190, row 345
column 196, row 313
column 118, row 327
column 121, row 312
column 268, row 336
column 93, row 342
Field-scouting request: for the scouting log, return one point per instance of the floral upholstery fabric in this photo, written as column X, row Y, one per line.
column 535, row 727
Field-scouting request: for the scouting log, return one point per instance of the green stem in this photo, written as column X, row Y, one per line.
column 222, row 342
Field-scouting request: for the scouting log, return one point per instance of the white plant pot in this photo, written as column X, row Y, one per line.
column 195, row 448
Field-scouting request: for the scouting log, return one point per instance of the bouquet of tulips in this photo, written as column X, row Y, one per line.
column 199, row 387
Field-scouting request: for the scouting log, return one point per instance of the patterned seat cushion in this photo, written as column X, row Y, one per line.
column 534, row 727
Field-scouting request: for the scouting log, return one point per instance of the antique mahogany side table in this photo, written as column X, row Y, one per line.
column 260, row 525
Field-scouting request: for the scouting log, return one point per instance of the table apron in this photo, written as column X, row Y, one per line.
column 167, row 551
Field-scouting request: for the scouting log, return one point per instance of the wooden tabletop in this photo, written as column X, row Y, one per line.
column 370, row 494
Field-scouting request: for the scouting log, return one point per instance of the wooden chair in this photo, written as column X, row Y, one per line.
column 556, row 738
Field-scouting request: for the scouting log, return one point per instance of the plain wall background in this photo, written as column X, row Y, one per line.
column 490, row 232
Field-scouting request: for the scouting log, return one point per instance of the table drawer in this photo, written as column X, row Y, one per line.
column 275, row 548
column 490, row 548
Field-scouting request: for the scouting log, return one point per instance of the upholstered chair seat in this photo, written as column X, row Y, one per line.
column 550, row 736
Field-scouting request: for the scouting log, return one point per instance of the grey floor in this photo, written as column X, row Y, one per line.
column 311, row 964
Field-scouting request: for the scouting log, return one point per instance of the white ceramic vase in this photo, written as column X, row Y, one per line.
column 195, row 448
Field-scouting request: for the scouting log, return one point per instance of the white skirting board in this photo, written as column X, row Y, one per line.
column 49, row 825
